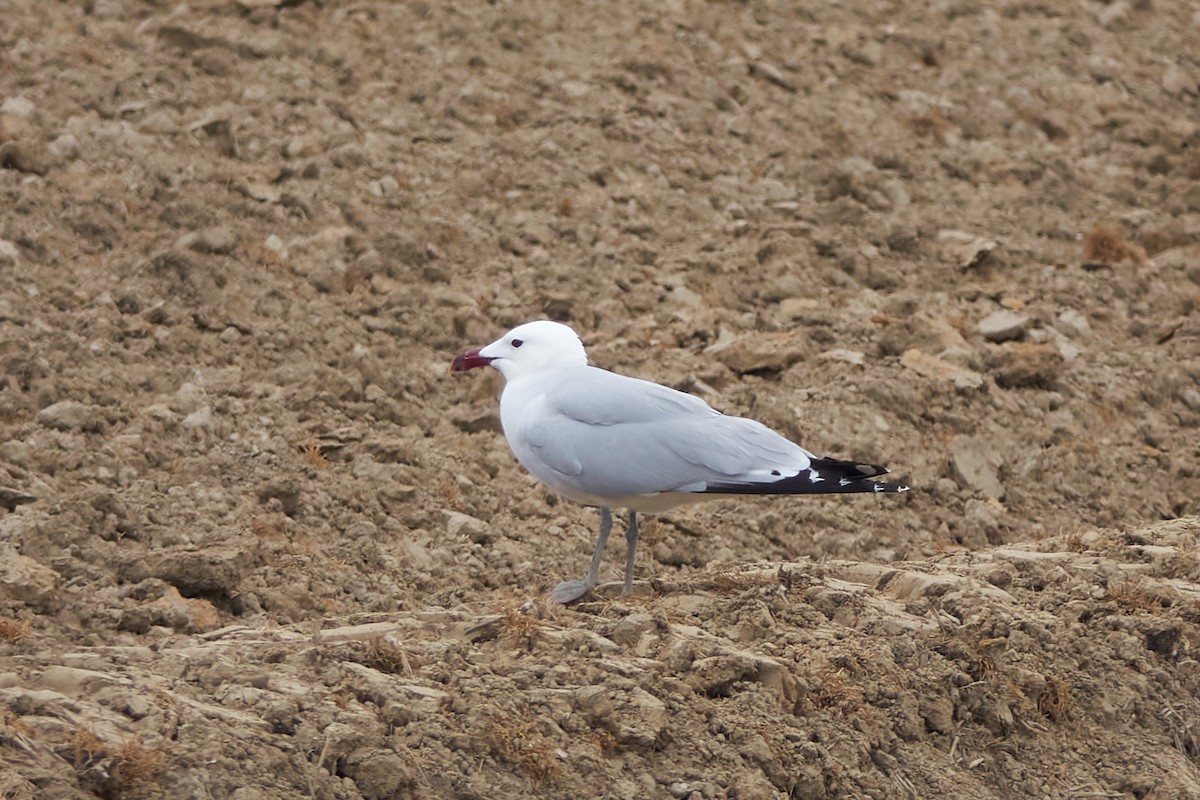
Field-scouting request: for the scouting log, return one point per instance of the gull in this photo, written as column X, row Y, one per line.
column 611, row 441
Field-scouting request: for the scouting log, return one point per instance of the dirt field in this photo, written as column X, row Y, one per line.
column 256, row 542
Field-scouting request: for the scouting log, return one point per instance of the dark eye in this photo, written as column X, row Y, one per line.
column 516, row 343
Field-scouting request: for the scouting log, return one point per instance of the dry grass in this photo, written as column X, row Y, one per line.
column 1130, row 594
column 1184, row 734
column 833, row 691
column 310, row 451
column 1073, row 541
column 520, row 621
column 451, row 495
column 14, row 630
column 1056, row 702
column 137, row 768
column 1107, row 245
column 267, row 529
column 732, row 581
column 517, row 741
column 385, row 655
column 86, row 747
column 932, row 124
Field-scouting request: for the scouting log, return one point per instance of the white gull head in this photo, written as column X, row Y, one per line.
column 526, row 350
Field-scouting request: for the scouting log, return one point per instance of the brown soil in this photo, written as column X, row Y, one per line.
column 256, row 542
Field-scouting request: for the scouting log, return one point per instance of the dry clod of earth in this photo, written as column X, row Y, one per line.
column 256, row 543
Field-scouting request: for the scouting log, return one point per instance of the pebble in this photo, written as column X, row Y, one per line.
column 200, row 419
column 27, row 581
column 841, row 354
column 1023, row 365
column 1191, row 399
column 476, row 530
column 218, row 240
column 24, row 157
column 10, row 254
column 64, row 148
column 11, row 497
column 975, row 467
column 276, row 246
column 73, row 681
column 1176, row 80
column 18, row 106
column 1002, row 326
column 14, row 451
column 68, row 415
column 772, row 74
column 761, row 351
column 929, row 366
column 964, row 249
column 634, row 716
column 1073, row 322
column 1116, row 14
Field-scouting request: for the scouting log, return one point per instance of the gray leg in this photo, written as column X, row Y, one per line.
column 568, row 591
column 631, row 537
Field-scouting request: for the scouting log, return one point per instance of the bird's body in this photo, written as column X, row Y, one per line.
column 611, row 441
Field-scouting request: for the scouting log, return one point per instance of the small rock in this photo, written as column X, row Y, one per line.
column 771, row 74
column 10, row 254
column 10, row 498
column 1114, row 15
column 218, row 240
column 1002, row 326
column 1023, row 365
column 974, row 467
column 964, row 249
column 841, row 354
column 26, row 581
column 14, row 451
column 928, row 366
column 276, row 246
column 18, row 106
column 213, row 572
column 938, row 713
column 1073, row 322
column 387, row 185
column 1176, row 80
column 342, row 739
column 74, row 682
column 64, row 148
column 715, row 674
column 484, row 421
column 200, row 419
column 1190, row 398
column 24, row 157
column 762, row 352
column 629, row 630
column 69, row 415
column 380, row 774
column 476, row 530
column 285, row 491
column 634, row 716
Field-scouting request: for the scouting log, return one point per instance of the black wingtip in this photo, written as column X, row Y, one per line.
column 824, row 476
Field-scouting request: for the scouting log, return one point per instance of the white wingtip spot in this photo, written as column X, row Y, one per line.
column 814, row 476
column 844, row 482
column 902, row 489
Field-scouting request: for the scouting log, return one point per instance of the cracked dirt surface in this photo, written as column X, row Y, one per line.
column 256, row 542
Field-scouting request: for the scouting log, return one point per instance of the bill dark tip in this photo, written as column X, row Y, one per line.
column 469, row 360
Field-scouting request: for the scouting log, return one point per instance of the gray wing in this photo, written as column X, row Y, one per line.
column 614, row 436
